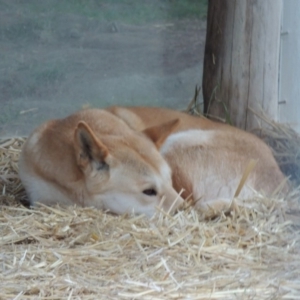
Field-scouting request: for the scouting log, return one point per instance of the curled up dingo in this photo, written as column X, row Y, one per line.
column 140, row 158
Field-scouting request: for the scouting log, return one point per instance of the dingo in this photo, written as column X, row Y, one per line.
column 92, row 158
column 207, row 158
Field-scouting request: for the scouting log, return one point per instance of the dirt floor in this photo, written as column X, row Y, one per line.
column 72, row 61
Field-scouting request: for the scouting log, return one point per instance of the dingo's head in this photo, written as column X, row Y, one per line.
column 126, row 173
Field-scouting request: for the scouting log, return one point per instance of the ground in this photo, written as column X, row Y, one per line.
column 56, row 60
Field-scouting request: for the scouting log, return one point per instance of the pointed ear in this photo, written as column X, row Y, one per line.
column 158, row 134
column 88, row 147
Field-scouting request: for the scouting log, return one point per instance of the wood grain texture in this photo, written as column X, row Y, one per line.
column 241, row 63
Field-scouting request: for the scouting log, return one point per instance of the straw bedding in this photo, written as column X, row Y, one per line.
column 284, row 142
column 83, row 253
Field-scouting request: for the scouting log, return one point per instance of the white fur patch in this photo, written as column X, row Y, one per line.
column 41, row 191
column 33, row 141
column 121, row 203
column 187, row 138
column 165, row 171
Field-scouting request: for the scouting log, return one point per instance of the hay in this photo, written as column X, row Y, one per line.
column 11, row 189
column 83, row 253
column 284, row 142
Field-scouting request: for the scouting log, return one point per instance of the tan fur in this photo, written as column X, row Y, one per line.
column 207, row 158
column 92, row 158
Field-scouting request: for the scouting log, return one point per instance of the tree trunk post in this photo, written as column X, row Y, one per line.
column 241, row 62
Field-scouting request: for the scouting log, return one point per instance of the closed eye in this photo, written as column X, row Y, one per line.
column 150, row 192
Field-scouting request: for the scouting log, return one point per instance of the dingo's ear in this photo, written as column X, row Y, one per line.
column 158, row 134
column 88, row 147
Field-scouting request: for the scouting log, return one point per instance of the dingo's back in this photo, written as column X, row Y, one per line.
column 92, row 158
column 208, row 158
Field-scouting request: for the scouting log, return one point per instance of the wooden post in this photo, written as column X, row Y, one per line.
column 241, row 63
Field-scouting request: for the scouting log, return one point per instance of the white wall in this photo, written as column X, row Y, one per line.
column 289, row 78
